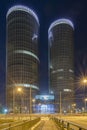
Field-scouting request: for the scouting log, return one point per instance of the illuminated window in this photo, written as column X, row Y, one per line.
column 60, row 77
column 70, row 70
column 67, row 90
column 59, row 70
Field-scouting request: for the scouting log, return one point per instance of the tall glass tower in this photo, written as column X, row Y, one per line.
column 22, row 26
column 61, row 66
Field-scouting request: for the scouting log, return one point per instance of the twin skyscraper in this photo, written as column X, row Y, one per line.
column 22, row 33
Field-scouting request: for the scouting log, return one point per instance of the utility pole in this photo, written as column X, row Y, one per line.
column 30, row 103
column 13, row 100
column 85, row 103
column 60, row 104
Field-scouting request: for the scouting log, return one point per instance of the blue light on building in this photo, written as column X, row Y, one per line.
column 44, row 104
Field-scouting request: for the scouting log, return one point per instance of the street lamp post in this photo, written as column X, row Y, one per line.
column 30, row 103
column 74, row 106
column 15, row 90
column 60, row 104
column 83, row 82
column 33, row 105
column 85, row 103
column 13, row 100
column 19, row 90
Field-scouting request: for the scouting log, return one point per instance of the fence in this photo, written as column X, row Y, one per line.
column 66, row 125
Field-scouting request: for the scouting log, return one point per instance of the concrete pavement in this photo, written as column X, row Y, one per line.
column 49, row 125
column 46, row 124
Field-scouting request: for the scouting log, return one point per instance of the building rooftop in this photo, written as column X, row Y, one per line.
column 22, row 8
column 61, row 21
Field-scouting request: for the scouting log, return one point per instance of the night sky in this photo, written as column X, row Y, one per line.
column 48, row 11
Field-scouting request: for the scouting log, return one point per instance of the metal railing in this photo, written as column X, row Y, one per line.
column 66, row 125
column 23, row 125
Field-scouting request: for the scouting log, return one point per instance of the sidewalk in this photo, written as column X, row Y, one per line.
column 49, row 125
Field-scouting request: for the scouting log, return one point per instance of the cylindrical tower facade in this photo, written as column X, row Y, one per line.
column 61, row 65
column 22, row 56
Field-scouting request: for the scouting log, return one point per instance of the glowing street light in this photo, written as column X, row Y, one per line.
column 33, row 100
column 73, row 105
column 85, row 99
column 19, row 89
column 5, row 111
column 83, row 80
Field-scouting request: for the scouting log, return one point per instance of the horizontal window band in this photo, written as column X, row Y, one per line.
column 27, row 52
column 25, row 85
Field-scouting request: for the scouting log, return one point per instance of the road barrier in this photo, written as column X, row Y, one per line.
column 66, row 125
column 24, row 125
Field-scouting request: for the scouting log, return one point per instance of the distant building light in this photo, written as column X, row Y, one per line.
column 51, row 67
column 50, row 35
column 51, row 92
column 25, row 85
column 50, row 38
column 58, row 70
column 34, row 37
column 67, row 90
column 60, row 77
column 53, row 71
column 70, row 70
column 5, row 110
column 45, row 97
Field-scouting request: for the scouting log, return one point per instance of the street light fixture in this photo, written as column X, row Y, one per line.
column 33, row 100
column 19, row 89
column 83, row 80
